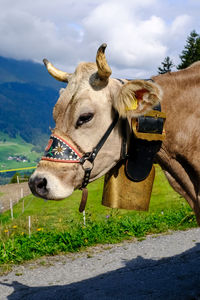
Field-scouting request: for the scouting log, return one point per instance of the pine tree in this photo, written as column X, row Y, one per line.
column 167, row 66
column 191, row 52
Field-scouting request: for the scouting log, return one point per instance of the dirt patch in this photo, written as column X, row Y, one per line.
column 14, row 192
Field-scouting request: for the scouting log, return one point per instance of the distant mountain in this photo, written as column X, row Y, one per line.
column 27, row 97
column 12, row 70
column 26, row 109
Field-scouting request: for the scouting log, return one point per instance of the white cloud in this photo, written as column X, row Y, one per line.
column 139, row 33
column 180, row 24
column 134, row 43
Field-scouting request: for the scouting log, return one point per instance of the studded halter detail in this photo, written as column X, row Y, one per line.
column 59, row 150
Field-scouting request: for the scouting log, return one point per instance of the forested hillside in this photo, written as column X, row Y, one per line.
column 27, row 96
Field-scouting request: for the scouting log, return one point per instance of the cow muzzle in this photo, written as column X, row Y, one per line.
column 38, row 186
column 48, row 186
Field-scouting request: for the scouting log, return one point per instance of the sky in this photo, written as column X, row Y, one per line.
column 139, row 33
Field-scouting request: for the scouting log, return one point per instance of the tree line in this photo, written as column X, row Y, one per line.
column 189, row 55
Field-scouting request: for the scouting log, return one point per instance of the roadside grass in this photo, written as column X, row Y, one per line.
column 57, row 226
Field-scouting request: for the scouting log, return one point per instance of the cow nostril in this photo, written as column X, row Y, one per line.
column 42, row 183
column 38, row 186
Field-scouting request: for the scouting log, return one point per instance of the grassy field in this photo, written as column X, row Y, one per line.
column 15, row 147
column 163, row 199
column 57, row 226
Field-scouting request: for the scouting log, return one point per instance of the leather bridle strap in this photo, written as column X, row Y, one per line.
column 90, row 156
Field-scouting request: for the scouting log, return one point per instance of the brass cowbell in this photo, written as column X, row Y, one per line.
column 121, row 192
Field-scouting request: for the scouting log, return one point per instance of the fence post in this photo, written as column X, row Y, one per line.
column 23, row 206
column 29, row 225
column 1, row 207
column 22, row 193
column 11, row 209
column 84, row 222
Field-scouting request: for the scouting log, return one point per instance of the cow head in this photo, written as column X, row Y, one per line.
column 82, row 114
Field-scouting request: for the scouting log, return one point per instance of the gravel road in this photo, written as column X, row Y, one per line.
column 161, row 267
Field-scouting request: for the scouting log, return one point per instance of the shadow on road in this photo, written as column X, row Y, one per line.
column 176, row 277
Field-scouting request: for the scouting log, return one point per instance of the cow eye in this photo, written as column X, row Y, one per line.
column 84, row 118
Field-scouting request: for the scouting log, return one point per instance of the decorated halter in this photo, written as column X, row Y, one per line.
column 59, row 150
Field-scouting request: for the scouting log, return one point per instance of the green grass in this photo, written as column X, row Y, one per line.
column 15, row 147
column 57, row 226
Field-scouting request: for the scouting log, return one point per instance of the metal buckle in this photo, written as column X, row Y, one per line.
column 88, row 157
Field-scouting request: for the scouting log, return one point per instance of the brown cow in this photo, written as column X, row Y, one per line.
column 179, row 156
column 87, row 107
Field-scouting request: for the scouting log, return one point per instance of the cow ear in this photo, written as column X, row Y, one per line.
column 137, row 97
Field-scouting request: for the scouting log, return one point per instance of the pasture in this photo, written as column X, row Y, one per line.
column 16, row 147
column 15, row 153
column 57, row 226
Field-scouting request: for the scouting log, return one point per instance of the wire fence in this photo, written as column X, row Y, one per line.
column 12, row 194
column 19, row 220
column 18, row 169
column 9, row 195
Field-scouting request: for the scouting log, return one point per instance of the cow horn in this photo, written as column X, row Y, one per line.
column 57, row 74
column 104, row 71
